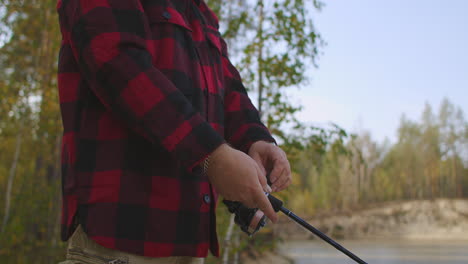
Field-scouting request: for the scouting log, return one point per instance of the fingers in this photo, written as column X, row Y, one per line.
column 284, row 179
column 280, row 162
column 283, row 185
column 281, row 174
column 275, row 174
column 265, row 206
column 263, row 180
column 255, row 156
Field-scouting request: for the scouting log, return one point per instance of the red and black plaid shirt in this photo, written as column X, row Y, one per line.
column 147, row 92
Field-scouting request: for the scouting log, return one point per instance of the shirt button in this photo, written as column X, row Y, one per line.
column 207, row 198
column 166, row 15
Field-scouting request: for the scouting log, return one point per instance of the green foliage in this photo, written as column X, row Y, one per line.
column 271, row 41
column 29, row 111
column 429, row 160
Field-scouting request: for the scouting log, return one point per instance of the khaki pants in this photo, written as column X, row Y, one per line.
column 82, row 250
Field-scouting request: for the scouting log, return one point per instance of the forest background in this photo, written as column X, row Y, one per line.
column 333, row 170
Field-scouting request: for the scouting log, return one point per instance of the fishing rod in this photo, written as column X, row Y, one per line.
column 251, row 220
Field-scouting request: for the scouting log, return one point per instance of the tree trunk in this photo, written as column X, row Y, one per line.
column 56, row 213
column 227, row 240
column 260, row 61
column 236, row 244
column 458, row 181
column 10, row 180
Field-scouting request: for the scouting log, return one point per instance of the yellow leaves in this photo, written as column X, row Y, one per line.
column 28, row 66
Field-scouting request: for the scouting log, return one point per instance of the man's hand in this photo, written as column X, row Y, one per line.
column 271, row 158
column 237, row 177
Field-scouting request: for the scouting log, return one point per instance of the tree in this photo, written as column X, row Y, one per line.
column 430, row 152
column 30, row 117
column 277, row 39
column 453, row 142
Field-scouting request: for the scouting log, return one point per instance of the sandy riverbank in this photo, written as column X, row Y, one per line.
column 422, row 219
column 440, row 219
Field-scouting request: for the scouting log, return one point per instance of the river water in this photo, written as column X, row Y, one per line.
column 380, row 252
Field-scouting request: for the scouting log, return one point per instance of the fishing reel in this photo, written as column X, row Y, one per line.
column 250, row 220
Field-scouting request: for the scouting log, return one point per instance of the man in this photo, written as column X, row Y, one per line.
column 156, row 124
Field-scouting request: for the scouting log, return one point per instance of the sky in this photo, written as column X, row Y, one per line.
column 385, row 58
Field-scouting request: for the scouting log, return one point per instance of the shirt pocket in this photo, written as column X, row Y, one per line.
column 166, row 13
column 170, row 33
column 171, row 45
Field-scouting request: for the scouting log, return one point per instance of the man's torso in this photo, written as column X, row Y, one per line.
column 121, row 184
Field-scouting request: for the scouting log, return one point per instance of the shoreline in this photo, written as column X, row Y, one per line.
column 418, row 220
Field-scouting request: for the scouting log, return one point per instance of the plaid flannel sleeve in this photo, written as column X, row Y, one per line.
column 243, row 126
column 109, row 41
